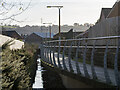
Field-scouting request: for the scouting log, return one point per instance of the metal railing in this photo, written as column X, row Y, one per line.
column 85, row 52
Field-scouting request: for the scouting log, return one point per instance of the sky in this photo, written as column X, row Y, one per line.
column 73, row 11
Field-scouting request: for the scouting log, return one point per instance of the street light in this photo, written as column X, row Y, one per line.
column 49, row 28
column 59, row 7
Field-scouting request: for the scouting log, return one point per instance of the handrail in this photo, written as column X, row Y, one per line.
column 97, row 38
column 86, row 55
column 98, row 47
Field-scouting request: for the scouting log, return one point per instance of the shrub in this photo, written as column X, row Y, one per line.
column 18, row 68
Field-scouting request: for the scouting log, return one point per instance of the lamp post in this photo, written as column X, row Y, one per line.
column 59, row 7
column 49, row 28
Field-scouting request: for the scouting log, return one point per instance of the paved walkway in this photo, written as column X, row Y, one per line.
column 38, row 78
column 99, row 70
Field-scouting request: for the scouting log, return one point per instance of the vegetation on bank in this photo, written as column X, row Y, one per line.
column 18, row 67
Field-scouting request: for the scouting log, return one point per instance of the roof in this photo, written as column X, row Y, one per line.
column 44, row 35
column 68, row 34
column 82, row 34
column 11, row 34
column 8, row 32
column 115, row 10
column 61, row 33
column 106, row 11
column 118, row 0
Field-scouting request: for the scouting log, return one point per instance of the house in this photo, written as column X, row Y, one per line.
column 12, row 34
column 62, row 35
column 109, row 26
column 67, row 35
column 115, row 12
column 83, row 35
column 76, row 33
column 24, row 36
column 104, row 13
column 37, row 38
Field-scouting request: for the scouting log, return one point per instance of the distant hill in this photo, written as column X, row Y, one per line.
column 55, row 29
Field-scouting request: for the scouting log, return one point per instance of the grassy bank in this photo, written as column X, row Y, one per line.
column 18, row 67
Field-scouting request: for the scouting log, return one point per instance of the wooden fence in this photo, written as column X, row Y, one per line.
column 108, row 27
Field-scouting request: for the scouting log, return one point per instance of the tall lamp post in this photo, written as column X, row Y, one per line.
column 59, row 7
column 49, row 28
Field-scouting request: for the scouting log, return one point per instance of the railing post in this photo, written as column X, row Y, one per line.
column 107, row 77
column 92, row 62
column 117, row 76
column 45, row 53
column 58, row 58
column 84, row 61
column 54, row 61
column 50, row 54
column 69, row 59
column 76, row 59
column 41, row 51
column 63, row 55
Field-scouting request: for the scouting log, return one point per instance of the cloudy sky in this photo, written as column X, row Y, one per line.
column 73, row 11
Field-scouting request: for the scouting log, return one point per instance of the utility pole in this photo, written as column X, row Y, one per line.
column 49, row 29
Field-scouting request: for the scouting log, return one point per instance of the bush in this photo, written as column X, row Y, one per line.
column 18, row 68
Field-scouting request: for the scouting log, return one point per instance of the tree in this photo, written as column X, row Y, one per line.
column 76, row 24
column 9, row 9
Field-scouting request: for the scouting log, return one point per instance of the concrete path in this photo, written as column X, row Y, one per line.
column 99, row 70
column 38, row 78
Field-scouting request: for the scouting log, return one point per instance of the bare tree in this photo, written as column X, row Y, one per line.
column 9, row 9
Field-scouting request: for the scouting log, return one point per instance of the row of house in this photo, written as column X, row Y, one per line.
column 109, row 18
column 37, row 37
column 71, row 34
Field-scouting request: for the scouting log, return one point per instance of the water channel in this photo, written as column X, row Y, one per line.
column 46, row 79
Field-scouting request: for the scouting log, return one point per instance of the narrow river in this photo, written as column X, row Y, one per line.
column 46, row 78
